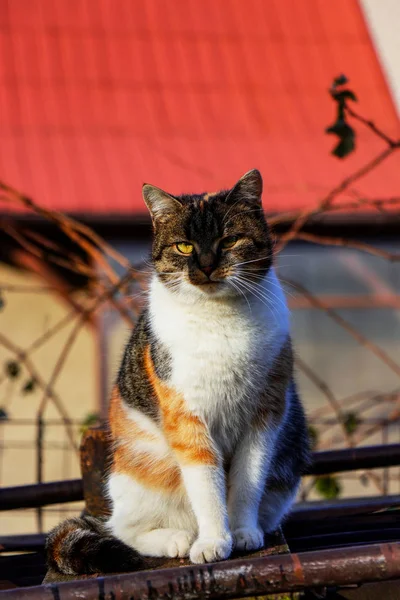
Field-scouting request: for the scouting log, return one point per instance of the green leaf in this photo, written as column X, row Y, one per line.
column 29, row 386
column 313, row 436
column 345, row 95
column 344, row 148
column 3, row 414
column 351, row 423
column 90, row 420
column 12, row 369
column 346, row 136
column 341, row 80
column 328, row 487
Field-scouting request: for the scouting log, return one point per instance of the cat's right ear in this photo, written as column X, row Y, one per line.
column 160, row 204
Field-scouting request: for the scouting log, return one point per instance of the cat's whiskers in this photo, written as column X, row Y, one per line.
column 267, row 294
column 262, row 277
column 245, row 262
column 241, row 292
column 258, row 294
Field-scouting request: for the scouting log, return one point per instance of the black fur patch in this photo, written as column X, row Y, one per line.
column 293, row 452
column 135, row 389
column 81, row 546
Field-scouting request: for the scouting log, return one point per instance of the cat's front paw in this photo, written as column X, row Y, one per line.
column 178, row 544
column 248, row 538
column 208, row 549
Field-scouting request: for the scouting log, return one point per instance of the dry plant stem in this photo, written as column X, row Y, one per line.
column 393, row 417
column 336, row 191
column 358, row 397
column 371, row 125
column 72, row 337
column 21, row 356
column 66, row 223
column 26, row 289
column 324, row 388
column 334, row 241
column 360, row 411
column 70, row 265
column 321, row 385
column 347, row 327
column 290, row 216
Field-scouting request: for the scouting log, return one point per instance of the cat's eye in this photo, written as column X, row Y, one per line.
column 184, row 247
column 229, row 242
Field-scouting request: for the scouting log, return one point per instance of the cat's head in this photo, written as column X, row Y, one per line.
column 214, row 244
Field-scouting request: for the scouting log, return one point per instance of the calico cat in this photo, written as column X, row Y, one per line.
column 209, row 436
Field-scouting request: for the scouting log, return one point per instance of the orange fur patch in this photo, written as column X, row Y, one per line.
column 58, row 541
column 185, row 432
column 209, row 195
column 157, row 473
column 122, row 427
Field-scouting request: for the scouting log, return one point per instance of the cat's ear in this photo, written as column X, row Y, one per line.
column 160, row 204
column 248, row 189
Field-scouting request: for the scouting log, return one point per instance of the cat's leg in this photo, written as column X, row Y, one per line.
column 141, row 518
column 205, row 486
column 275, row 505
column 247, row 477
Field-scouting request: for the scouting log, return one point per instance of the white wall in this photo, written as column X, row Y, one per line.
column 383, row 20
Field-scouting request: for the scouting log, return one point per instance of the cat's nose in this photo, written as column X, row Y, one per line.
column 207, row 270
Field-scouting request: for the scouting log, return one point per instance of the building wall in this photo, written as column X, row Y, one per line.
column 24, row 318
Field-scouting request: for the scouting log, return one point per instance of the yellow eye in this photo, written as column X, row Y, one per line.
column 184, row 248
column 229, row 242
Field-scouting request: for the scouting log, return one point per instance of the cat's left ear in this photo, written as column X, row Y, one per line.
column 160, row 204
column 248, row 189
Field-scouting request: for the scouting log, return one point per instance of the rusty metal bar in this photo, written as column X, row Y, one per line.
column 28, row 542
column 31, row 496
column 351, row 459
column 310, row 512
column 94, row 458
column 233, row 579
column 309, row 520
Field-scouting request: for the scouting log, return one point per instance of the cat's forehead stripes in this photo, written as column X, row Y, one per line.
column 203, row 227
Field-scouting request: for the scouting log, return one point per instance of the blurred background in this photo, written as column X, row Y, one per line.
column 97, row 97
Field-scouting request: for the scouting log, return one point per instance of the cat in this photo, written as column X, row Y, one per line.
column 209, row 435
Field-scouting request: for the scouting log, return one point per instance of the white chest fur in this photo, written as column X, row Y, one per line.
column 221, row 349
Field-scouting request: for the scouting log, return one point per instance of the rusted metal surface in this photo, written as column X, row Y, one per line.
column 273, row 544
column 234, row 578
column 350, row 459
column 309, row 512
column 95, row 460
column 31, row 496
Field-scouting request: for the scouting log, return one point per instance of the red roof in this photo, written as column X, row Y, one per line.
column 98, row 96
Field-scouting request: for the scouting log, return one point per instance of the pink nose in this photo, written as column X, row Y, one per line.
column 207, row 270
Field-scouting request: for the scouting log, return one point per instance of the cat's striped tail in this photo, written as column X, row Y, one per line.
column 83, row 545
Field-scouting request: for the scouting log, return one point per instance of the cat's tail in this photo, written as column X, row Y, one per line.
column 83, row 545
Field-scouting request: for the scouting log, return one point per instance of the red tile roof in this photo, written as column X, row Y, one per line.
column 98, row 96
